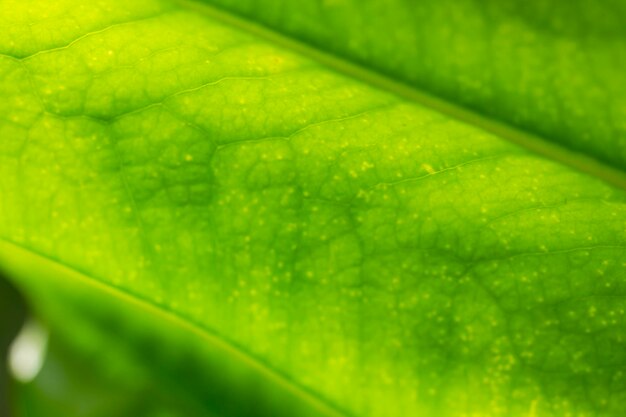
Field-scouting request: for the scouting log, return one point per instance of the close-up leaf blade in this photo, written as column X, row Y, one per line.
column 551, row 68
column 226, row 216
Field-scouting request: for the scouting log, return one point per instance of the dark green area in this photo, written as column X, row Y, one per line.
column 12, row 315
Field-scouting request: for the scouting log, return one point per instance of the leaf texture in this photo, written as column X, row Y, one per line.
column 355, row 252
column 547, row 67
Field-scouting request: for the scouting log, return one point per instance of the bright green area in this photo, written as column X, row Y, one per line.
column 549, row 67
column 172, row 186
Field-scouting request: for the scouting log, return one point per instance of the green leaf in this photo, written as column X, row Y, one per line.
column 216, row 211
column 551, row 68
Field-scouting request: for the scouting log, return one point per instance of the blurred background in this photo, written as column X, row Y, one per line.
column 12, row 317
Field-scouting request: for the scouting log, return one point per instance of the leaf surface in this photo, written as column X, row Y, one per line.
column 352, row 251
column 550, row 68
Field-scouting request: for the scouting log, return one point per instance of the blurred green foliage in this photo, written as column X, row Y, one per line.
column 12, row 316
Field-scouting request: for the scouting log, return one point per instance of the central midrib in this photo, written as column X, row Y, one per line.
column 530, row 141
